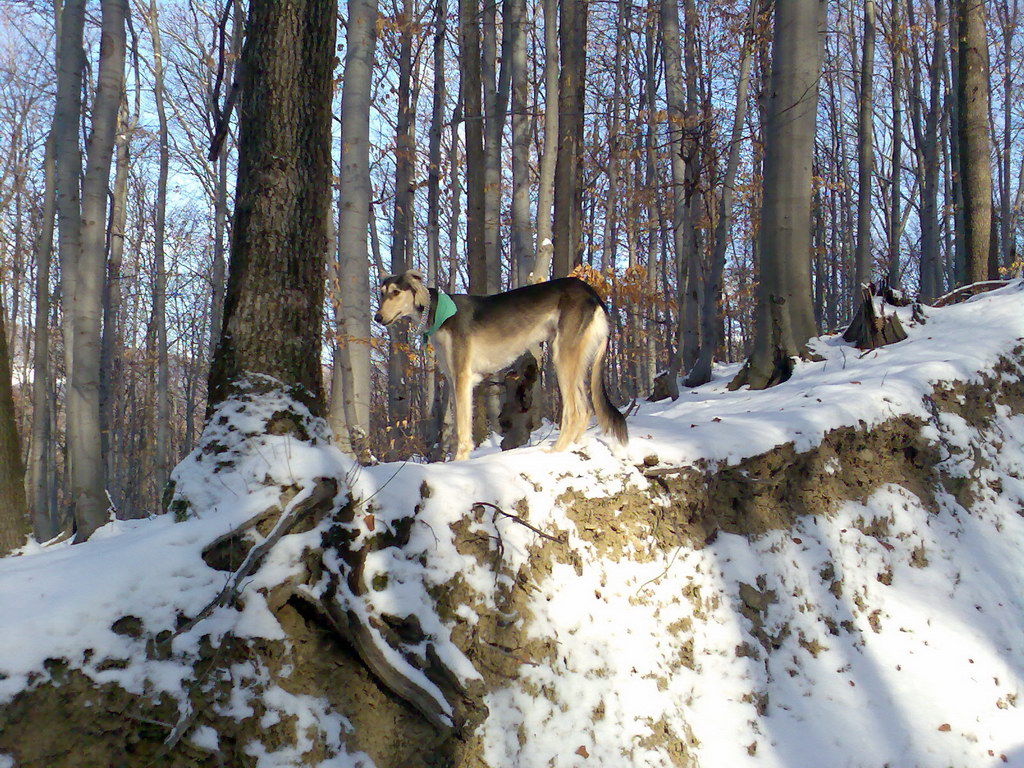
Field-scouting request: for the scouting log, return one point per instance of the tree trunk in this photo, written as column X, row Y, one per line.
column 44, row 516
column 162, row 455
column 865, row 153
column 14, row 520
column 931, row 269
column 272, row 326
column 895, row 192
column 110, row 362
column 700, row 373
column 522, row 236
column 86, row 454
column 434, row 417
column 546, row 175
column 399, row 390
column 785, row 319
column 682, row 235
column 1007, row 217
column 610, row 234
column 472, row 106
column 220, row 203
column 568, row 226
column 496, row 92
column 350, row 397
column 973, row 136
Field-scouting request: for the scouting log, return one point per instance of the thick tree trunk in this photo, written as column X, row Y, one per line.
column 973, row 136
column 785, row 319
column 272, row 325
column 86, row 454
column 350, row 397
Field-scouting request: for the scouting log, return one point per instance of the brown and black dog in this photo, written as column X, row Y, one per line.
column 480, row 335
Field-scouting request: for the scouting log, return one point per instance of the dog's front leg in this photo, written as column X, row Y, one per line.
column 463, row 387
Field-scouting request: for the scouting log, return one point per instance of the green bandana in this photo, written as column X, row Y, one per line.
column 445, row 308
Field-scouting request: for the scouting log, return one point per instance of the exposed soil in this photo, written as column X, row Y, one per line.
column 67, row 721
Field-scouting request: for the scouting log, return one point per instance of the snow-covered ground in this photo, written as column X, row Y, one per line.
column 895, row 626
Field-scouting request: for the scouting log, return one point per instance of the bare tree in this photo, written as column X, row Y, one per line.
column 274, row 299
column 162, row 456
column 546, row 174
column 14, row 520
column 865, row 152
column 785, row 320
column 472, row 106
column 568, row 225
column 710, row 340
column 350, row 403
column 44, row 515
column 973, row 136
column 82, row 229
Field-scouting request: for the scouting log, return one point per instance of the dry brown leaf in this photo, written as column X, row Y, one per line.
column 582, row 751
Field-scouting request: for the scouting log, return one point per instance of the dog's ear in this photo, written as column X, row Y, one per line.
column 419, row 289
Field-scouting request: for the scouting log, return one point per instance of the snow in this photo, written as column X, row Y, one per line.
column 895, row 625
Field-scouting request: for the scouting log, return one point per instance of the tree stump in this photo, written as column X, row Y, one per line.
column 871, row 327
column 519, row 414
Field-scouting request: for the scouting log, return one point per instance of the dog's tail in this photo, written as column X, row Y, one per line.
column 609, row 417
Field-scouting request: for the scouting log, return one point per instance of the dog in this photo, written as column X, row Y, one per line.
column 476, row 336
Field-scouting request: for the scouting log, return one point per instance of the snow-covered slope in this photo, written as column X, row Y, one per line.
column 569, row 596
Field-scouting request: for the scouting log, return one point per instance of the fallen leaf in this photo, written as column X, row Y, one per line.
column 889, row 547
column 797, row 540
column 945, row 728
column 582, row 751
column 370, row 522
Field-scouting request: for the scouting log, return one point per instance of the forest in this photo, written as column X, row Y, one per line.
column 245, row 518
column 635, row 145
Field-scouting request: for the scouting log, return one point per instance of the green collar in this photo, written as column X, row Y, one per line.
column 445, row 308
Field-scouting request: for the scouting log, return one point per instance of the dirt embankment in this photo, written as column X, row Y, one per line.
column 65, row 719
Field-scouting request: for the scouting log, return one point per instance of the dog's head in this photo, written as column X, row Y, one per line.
column 402, row 296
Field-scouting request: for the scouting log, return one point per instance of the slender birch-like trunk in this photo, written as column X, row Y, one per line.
column 700, row 373
column 865, row 154
column 351, row 400
column 162, row 452
column 44, row 516
column 546, row 175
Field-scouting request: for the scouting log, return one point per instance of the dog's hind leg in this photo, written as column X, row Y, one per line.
column 569, row 371
column 608, row 416
column 462, row 386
